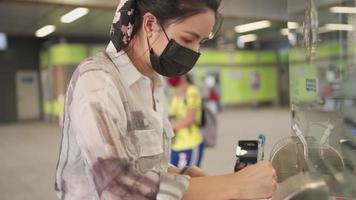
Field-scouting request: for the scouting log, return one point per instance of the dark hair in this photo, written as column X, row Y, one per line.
column 166, row 10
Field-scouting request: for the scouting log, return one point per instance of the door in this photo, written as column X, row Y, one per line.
column 27, row 91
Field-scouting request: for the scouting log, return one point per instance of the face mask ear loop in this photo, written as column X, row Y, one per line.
column 149, row 45
column 164, row 31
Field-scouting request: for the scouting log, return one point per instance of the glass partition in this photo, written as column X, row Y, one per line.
column 322, row 59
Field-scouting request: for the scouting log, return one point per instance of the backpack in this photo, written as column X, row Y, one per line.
column 209, row 127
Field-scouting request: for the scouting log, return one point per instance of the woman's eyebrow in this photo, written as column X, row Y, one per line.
column 196, row 35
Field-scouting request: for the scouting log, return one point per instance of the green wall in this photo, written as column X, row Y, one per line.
column 237, row 85
column 236, row 69
column 63, row 54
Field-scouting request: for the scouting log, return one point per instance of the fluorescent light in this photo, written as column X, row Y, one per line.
column 346, row 10
column 247, row 38
column 252, row 26
column 339, row 27
column 335, row 27
column 285, row 31
column 74, row 15
column 293, row 25
column 44, row 31
column 324, row 30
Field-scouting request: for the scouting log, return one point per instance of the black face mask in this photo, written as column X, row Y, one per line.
column 175, row 60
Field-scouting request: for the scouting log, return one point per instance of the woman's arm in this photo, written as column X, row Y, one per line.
column 254, row 182
column 192, row 171
column 185, row 122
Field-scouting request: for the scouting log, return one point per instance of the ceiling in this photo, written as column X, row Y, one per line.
column 245, row 8
column 24, row 17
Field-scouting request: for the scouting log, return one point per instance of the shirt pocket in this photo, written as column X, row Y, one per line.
column 149, row 148
column 149, row 143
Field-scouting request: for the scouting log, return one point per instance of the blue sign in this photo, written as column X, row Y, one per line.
column 27, row 80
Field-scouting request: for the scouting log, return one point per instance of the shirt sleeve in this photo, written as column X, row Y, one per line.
column 98, row 117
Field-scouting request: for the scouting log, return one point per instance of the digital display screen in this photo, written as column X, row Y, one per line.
column 248, row 144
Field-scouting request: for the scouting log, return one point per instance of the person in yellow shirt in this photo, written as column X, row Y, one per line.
column 185, row 115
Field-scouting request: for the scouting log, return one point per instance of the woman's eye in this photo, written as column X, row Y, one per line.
column 187, row 41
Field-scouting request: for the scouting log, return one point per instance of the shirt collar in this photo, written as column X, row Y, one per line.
column 126, row 67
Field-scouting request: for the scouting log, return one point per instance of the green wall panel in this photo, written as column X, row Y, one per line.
column 214, row 57
column 267, row 57
column 284, row 56
column 243, row 57
column 63, row 54
column 94, row 50
column 237, row 85
column 236, row 70
column 237, row 57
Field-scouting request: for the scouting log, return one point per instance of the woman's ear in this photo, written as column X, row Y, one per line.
column 150, row 24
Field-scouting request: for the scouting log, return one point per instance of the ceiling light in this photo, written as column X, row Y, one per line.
column 293, row 25
column 74, row 15
column 252, row 26
column 44, row 31
column 339, row 27
column 324, row 30
column 346, row 10
column 285, row 31
column 335, row 27
column 247, row 38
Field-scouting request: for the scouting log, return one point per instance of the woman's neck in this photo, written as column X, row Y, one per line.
column 137, row 54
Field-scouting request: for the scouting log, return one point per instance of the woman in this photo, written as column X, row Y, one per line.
column 185, row 114
column 116, row 133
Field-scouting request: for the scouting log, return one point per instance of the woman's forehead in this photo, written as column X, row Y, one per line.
column 193, row 25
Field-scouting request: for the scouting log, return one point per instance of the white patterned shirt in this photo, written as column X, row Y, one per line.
column 115, row 145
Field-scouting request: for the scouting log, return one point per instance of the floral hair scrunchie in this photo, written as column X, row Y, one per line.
column 122, row 27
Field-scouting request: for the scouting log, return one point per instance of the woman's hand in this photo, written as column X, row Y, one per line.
column 258, row 181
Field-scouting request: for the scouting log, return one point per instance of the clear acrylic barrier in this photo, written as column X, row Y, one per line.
column 322, row 58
